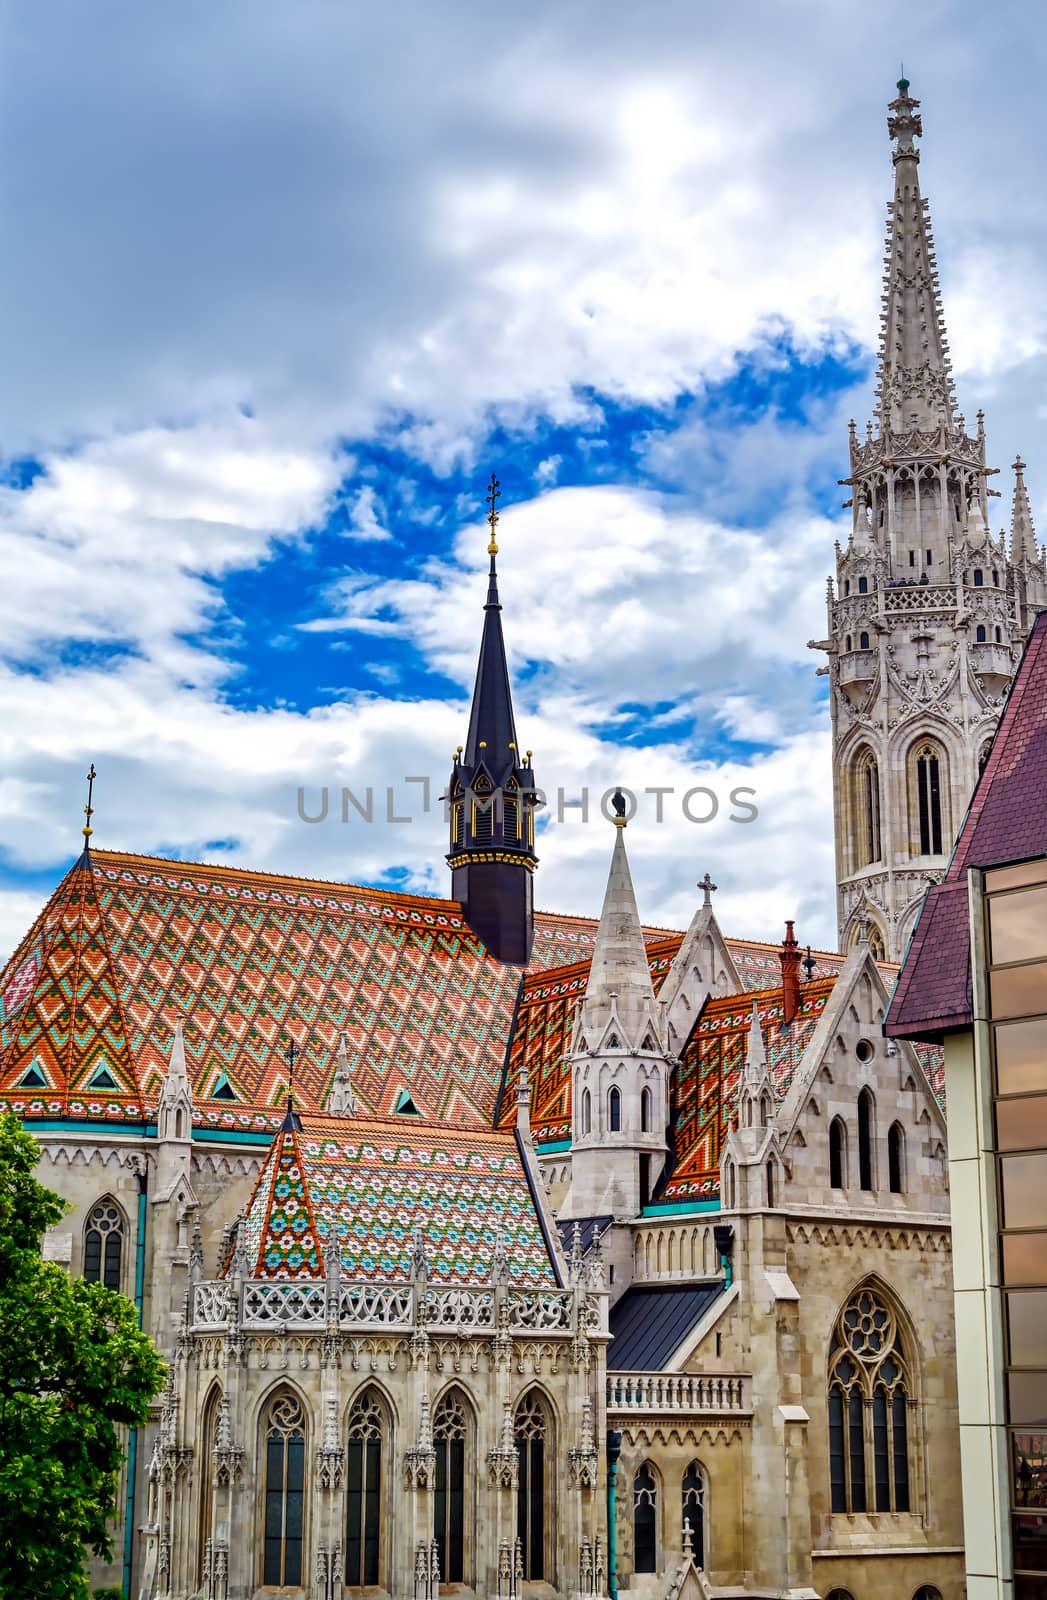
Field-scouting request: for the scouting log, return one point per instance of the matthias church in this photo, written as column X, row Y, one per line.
column 514, row 1255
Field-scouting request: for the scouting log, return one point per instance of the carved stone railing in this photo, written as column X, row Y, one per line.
column 920, row 597
column 466, row 1309
column 685, row 1392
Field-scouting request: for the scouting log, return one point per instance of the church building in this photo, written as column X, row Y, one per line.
column 517, row 1255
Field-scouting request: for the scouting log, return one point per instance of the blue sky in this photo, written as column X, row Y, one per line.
column 280, row 296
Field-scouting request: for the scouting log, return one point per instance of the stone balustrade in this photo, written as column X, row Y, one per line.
column 684, row 1392
column 455, row 1309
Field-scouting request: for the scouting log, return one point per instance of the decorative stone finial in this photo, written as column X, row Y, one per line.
column 89, row 809
column 494, row 493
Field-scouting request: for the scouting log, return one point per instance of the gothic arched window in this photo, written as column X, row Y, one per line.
column 645, row 1520
column 869, row 1393
column 863, row 588
column 866, row 1109
column 532, row 1431
column 770, row 1183
column 850, row 642
column 645, row 1111
column 998, row 633
column 895, row 1157
column 927, row 777
column 868, row 808
column 587, row 1111
column 875, row 941
column 284, row 1493
column 209, row 1439
column 363, row 1527
column 979, row 633
column 104, row 1244
column 979, row 577
column 837, row 1154
column 694, row 1508
column 863, row 641
column 450, row 1427
column 614, row 1111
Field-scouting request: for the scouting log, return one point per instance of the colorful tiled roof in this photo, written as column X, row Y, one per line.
column 706, row 1087
column 1006, row 821
column 377, row 1182
column 129, row 944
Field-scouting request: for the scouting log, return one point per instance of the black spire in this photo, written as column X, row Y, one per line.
column 492, row 797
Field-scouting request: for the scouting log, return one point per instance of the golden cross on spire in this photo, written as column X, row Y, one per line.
column 494, row 493
column 89, row 809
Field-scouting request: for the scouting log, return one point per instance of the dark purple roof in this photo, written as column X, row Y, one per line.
column 1006, row 821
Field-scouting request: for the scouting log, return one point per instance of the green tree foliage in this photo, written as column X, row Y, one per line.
column 74, row 1369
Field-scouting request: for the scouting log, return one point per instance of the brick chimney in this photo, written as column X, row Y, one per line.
column 789, row 956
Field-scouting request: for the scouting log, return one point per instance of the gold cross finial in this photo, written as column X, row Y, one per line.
column 89, row 809
column 494, row 493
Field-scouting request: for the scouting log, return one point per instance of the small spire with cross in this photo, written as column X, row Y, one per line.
column 708, row 888
column 89, row 809
column 494, row 494
column 291, row 1056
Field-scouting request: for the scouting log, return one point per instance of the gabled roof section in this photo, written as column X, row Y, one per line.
column 1006, row 821
column 374, row 1183
column 61, row 1014
column 705, row 1087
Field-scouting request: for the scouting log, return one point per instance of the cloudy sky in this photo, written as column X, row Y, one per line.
column 283, row 283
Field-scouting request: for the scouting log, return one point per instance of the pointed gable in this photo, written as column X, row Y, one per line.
column 705, row 1088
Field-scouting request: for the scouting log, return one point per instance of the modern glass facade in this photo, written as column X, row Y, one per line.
column 1015, row 929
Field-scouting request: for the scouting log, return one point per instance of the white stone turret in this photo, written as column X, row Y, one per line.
column 174, row 1111
column 619, row 1064
column 751, row 1165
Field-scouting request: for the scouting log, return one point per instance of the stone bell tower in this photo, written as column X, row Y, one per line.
column 928, row 613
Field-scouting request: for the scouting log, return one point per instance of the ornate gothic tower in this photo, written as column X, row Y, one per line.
column 491, row 798
column 929, row 612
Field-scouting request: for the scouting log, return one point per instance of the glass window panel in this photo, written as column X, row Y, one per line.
column 1018, row 925
column 1029, row 1470
column 1027, row 1399
column 1030, row 1541
column 1022, row 1124
column 856, row 1436
column 1021, row 1056
column 1018, row 991
column 880, row 1456
column 1029, row 1588
column 1027, row 1322
column 837, row 1470
column 1023, row 1182
column 1018, row 876
column 111, row 1274
column 1025, row 1259
column 900, row 1431
column 93, row 1256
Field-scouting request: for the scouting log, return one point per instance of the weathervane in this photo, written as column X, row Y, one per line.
column 808, row 964
column 89, row 809
column 494, row 493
